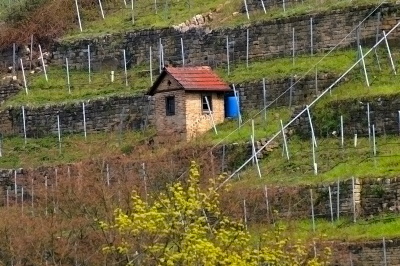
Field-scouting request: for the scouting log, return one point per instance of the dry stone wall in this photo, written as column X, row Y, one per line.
column 268, row 39
column 109, row 114
column 372, row 197
column 254, row 5
column 384, row 114
column 304, row 90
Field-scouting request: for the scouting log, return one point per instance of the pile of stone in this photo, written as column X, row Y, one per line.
column 33, row 66
column 197, row 21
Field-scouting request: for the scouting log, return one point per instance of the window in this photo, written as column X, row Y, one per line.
column 170, row 105
column 206, row 98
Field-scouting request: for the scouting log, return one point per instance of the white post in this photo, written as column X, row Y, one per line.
column 162, row 56
column 45, row 184
column 283, row 4
column 247, row 10
column 312, row 210
column 265, row 100
column 236, row 93
column 266, row 199
column 255, row 156
column 263, row 6
column 247, row 48
column 23, row 122
column 145, row 181
column 15, row 184
column 89, row 64
column 253, row 128
column 23, row 76
column 369, row 123
column 293, row 46
column 1, row 146
column 314, row 140
column 151, row 67
column 183, row 53
column 341, row 131
column 101, row 9
column 399, row 121
column 32, row 194
column 285, row 146
column 79, row 16
column 7, row 198
column 316, row 81
column 84, row 119
column 125, row 70
column 373, row 138
column 59, row 132
column 31, row 53
column 338, row 200
column 354, row 198
column 68, row 81
column 112, row 76
column 390, row 53
column 14, row 59
column 365, row 69
column 355, row 140
column 155, row 5
column 159, row 54
column 211, row 115
column 22, row 200
column 43, row 65
column 227, row 53
column 245, row 213
column 108, row 175
column 330, row 202
column 315, row 166
column 311, row 37
column 384, row 252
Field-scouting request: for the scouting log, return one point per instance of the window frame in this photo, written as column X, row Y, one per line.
column 204, row 107
column 170, row 106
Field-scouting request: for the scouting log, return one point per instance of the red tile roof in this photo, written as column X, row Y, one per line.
column 193, row 79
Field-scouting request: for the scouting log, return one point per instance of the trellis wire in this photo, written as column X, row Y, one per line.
column 125, row 68
column 265, row 103
column 312, row 103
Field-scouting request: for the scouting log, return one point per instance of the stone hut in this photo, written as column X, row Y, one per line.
column 187, row 101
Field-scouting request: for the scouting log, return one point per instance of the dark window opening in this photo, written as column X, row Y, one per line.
column 170, row 105
column 205, row 101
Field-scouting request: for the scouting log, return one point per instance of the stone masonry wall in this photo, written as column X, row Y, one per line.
column 384, row 114
column 268, row 39
column 198, row 121
column 101, row 115
column 8, row 88
column 254, row 5
column 251, row 94
column 366, row 253
column 372, row 197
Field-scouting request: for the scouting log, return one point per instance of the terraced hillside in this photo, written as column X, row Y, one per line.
column 318, row 93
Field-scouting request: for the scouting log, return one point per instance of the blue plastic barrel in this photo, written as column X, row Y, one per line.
column 231, row 106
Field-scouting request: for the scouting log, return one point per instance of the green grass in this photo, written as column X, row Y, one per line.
column 45, row 151
column 333, row 162
column 339, row 230
column 336, row 63
column 120, row 19
column 172, row 13
column 228, row 132
column 55, row 90
column 301, row 8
